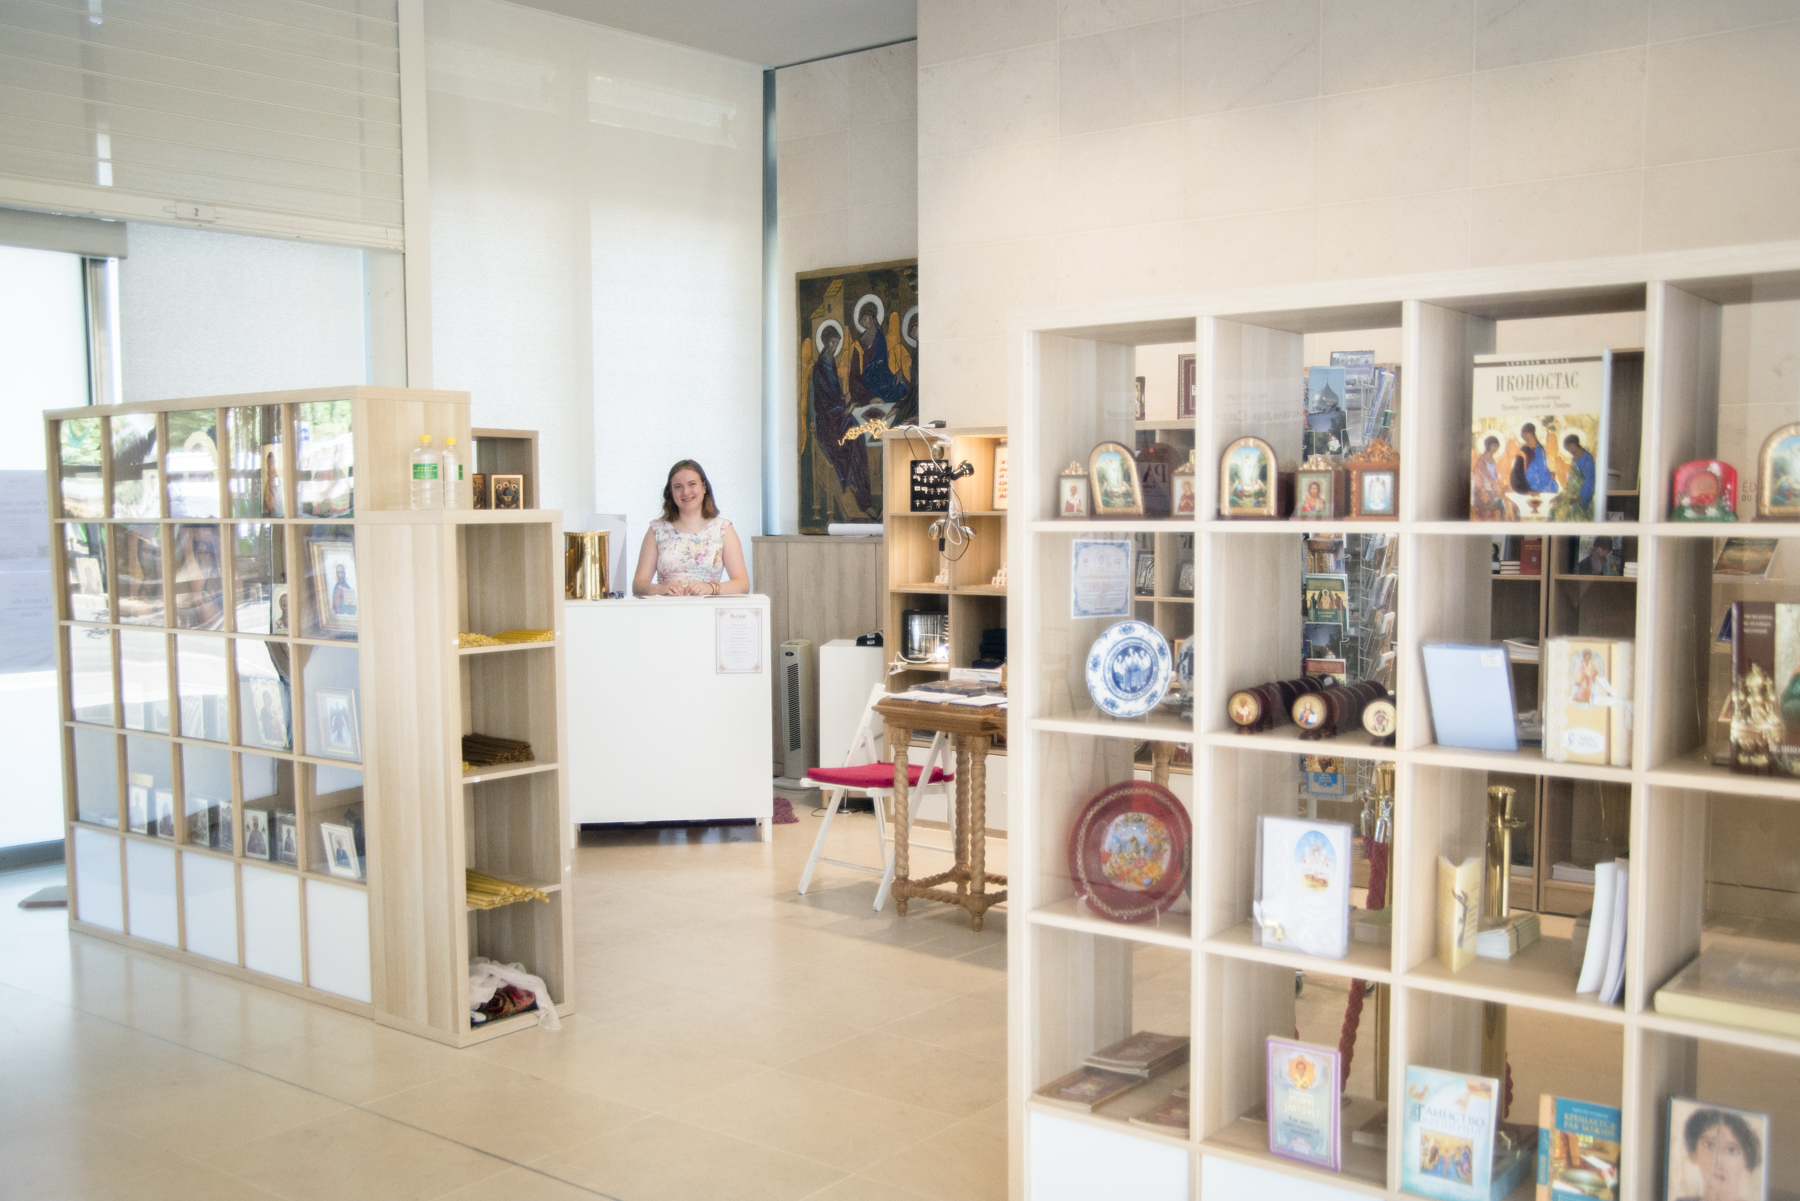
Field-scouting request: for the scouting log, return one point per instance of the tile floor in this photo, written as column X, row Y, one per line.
column 734, row 1041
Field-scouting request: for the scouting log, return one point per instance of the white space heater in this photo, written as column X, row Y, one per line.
column 799, row 710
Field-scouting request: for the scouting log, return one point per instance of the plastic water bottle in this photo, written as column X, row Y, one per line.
column 426, row 475
column 453, row 476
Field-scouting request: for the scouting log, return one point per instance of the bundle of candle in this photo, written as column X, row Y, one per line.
column 487, row 892
column 484, row 750
column 510, row 636
column 467, row 640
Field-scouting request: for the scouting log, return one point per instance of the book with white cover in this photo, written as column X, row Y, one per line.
column 1302, row 886
column 1599, row 943
column 1612, row 985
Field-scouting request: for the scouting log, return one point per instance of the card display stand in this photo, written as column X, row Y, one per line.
column 1079, row 982
column 264, row 701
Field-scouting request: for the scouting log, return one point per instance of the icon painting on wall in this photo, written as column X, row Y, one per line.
column 858, row 375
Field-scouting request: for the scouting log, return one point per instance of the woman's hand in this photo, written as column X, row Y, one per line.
column 689, row 588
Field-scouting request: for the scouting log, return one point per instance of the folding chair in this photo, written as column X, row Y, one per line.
column 864, row 773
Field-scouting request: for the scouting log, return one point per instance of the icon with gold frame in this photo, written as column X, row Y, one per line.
column 1113, row 478
column 1375, row 483
column 1248, row 480
column 507, row 491
column 1072, row 492
column 1778, row 474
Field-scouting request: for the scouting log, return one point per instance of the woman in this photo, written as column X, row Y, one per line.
column 692, row 545
column 1724, row 1150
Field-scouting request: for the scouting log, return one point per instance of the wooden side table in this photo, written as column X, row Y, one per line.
column 971, row 729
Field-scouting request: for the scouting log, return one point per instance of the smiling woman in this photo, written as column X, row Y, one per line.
column 692, row 549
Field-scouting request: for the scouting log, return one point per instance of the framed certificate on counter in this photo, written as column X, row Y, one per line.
column 739, row 642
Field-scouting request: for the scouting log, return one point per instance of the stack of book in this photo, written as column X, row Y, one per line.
column 1522, row 650
column 1749, row 982
column 1171, row 1113
column 1113, row 1071
column 1603, row 960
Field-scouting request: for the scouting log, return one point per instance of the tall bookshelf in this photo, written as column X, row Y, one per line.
column 253, row 621
column 1079, row 982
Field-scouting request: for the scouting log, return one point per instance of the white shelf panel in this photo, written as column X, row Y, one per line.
column 1526, row 761
column 501, row 772
column 1090, row 528
column 1117, row 1125
column 1755, row 1040
column 1287, row 740
column 1366, row 961
column 1154, row 727
column 1540, row 977
column 1247, row 1142
column 1724, row 529
column 1172, row 930
column 1698, row 771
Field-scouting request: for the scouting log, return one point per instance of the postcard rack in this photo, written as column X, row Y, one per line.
column 1080, row 982
column 264, row 701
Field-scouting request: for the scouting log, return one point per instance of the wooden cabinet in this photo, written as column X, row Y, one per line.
column 264, row 697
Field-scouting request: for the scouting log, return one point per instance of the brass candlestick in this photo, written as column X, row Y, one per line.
column 1501, row 822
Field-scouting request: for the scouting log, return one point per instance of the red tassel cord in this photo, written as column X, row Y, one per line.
column 1377, row 855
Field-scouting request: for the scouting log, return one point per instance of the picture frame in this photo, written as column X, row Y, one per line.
column 268, row 724
column 1685, row 1176
column 340, row 851
column 199, row 824
column 1316, row 491
column 221, row 832
column 1375, row 482
column 1113, row 482
column 256, row 834
column 1187, row 385
column 286, row 844
column 1001, row 458
column 164, row 826
column 1072, row 500
column 281, row 619
column 1778, row 474
column 274, row 502
column 479, row 482
column 1144, row 578
column 1249, row 483
column 332, row 584
column 340, row 737
column 1140, row 397
column 1704, row 490
column 1186, row 501
column 507, row 491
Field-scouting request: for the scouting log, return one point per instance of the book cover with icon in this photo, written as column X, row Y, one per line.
column 1448, row 1136
column 1303, row 1108
column 1537, row 446
column 1303, row 886
column 1578, row 1150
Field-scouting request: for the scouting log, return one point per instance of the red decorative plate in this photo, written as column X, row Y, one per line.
column 1129, row 851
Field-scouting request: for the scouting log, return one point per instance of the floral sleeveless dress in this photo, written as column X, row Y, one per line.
column 682, row 556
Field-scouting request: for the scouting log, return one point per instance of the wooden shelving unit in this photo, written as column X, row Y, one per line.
column 1079, row 982
column 214, row 662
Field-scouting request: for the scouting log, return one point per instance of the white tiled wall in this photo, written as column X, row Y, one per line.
column 846, row 170
column 1076, row 150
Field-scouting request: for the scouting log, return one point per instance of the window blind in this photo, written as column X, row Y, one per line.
column 272, row 117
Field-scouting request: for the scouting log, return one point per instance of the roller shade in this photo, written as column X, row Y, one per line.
column 272, row 117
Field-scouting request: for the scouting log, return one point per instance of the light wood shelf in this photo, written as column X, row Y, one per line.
column 391, row 945
column 1072, row 981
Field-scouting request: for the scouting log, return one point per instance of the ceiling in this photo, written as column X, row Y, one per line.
column 770, row 33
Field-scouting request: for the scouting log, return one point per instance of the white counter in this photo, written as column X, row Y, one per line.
column 656, row 731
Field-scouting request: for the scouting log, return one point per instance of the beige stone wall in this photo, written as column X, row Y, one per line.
column 1078, row 150
column 846, row 171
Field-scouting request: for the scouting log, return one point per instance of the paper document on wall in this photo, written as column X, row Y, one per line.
column 740, row 640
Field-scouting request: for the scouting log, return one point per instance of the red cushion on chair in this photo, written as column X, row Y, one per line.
column 872, row 775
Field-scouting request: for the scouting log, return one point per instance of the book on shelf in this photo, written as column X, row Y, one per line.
column 1538, row 443
column 1087, row 1089
column 1746, row 558
column 1471, row 695
column 1459, row 911
column 1600, row 923
column 1522, row 650
column 1304, row 1111
column 1765, row 688
column 1531, row 556
column 1751, row 983
column 1577, row 1149
column 1508, row 937
column 1571, row 873
column 1302, row 886
column 1450, row 1147
column 1170, row 1113
column 1587, row 701
column 1145, row 1054
column 1715, row 1151
column 1612, row 980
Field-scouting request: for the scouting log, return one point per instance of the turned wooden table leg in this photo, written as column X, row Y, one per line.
column 1160, row 754
column 898, row 741
column 978, row 830
column 961, row 840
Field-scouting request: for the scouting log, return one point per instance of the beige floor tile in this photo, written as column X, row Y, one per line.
column 992, row 1119
column 607, row 995
column 57, row 1152
column 758, row 1033
column 611, row 1063
column 358, row 1063
column 665, row 1160
column 356, row 1156
column 231, row 1104
column 189, row 1182
column 974, row 1023
column 861, row 1188
column 507, row 1113
column 910, row 1072
column 851, row 997
column 961, row 1164
column 519, row 1184
column 807, row 1117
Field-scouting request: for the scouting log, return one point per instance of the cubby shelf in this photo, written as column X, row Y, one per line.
column 326, row 689
column 1075, row 984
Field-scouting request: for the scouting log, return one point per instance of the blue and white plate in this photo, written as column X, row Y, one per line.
column 1128, row 669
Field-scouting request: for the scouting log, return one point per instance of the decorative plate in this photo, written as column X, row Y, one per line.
column 1129, row 851
column 1128, row 669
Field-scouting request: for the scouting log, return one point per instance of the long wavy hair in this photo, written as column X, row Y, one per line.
column 708, row 509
